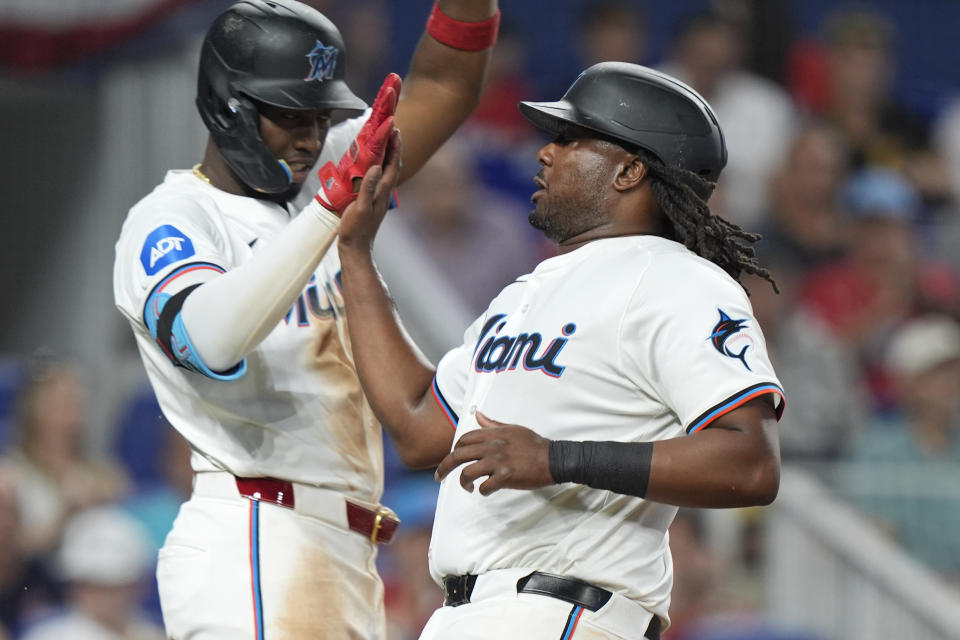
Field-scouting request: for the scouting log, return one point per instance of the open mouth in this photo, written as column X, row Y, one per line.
column 300, row 170
column 539, row 192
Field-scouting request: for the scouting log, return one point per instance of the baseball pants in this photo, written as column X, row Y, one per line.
column 496, row 610
column 234, row 568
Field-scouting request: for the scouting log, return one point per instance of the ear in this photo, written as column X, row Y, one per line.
column 630, row 173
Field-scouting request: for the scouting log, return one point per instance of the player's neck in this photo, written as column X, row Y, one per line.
column 616, row 227
column 215, row 171
column 571, row 245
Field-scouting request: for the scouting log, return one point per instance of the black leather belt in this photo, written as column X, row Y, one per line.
column 563, row 588
column 458, row 589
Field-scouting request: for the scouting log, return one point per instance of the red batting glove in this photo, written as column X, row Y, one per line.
column 337, row 181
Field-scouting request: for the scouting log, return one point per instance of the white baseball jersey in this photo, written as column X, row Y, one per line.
column 627, row 339
column 297, row 412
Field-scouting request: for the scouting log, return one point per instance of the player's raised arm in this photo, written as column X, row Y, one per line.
column 395, row 376
column 230, row 314
column 445, row 78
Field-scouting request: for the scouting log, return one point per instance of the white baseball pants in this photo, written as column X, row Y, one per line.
column 239, row 569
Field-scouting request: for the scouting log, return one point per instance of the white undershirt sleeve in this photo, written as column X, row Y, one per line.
column 231, row 314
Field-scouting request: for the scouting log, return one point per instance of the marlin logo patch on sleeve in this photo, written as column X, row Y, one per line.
column 727, row 338
column 164, row 246
column 323, row 60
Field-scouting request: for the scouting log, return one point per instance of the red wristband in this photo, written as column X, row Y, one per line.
column 466, row 36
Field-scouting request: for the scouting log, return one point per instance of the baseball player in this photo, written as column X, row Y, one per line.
column 226, row 276
column 632, row 359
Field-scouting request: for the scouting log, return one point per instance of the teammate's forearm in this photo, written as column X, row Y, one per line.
column 442, row 87
column 395, row 375
column 228, row 316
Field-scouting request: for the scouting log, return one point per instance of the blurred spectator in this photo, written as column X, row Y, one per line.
column 27, row 588
column 806, row 227
column 506, row 84
column 924, row 357
column 155, row 507
column 947, row 138
column 104, row 559
column 853, row 67
column 365, row 25
column 884, row 280
column 757, row 116
column 944, row 232
column 768, row 32
column 920, row 441
column 820, row 374
column 611, row 30
column 54, row 475
column 503, row 143
column 480, row 240
column 411, row 595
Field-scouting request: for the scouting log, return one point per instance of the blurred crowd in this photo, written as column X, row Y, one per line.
column 76, row 551
column 857, row 199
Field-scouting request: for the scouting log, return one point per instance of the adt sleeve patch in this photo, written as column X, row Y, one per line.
column 164, row 246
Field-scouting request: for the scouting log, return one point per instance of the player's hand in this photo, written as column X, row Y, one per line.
column 339, row 182
column 362, row 218
column 513, row 457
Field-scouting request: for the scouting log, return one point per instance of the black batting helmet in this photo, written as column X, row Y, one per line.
column 641, row 108
column 279, row 52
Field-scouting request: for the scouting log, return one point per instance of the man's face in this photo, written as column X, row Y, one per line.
column 575, row 173
column 296, row 137
column 935, row 392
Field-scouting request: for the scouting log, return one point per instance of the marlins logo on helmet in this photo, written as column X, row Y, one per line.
column 323, row 60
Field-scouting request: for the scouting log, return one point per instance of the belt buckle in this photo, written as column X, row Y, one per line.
column 377, row 523
column 383, row 516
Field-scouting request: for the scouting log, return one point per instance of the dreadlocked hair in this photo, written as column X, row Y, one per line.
column 692, row 224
